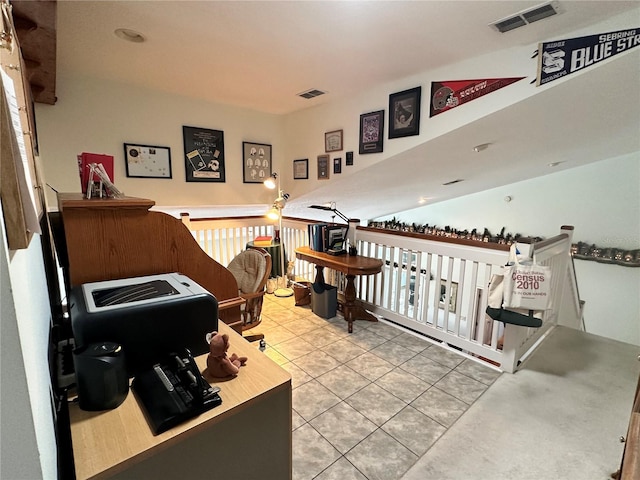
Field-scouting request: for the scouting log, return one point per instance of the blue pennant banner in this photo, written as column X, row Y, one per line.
column 564, row 57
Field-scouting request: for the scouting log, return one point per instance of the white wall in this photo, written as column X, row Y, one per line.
column 27, row 440
column 93, row 115
column 602, row 202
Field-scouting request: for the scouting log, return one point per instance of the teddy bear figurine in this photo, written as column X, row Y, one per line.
column 218, row 363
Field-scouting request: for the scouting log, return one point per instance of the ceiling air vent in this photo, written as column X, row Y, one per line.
column 509, row 24
column 311, row 93
column 453, row 181
column 528, row 16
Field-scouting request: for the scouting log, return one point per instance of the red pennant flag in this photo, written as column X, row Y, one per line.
column 450, row 94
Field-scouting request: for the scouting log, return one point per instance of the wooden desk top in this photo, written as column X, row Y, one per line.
column 107, row 442
column 347, row 264
column 77, row 200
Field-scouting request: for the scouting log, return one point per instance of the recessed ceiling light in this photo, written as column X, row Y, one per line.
column 129, row 35
column 554, row 164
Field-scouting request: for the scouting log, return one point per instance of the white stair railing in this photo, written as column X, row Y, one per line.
column 224, row 238
column 556, row 253
column 433, row 286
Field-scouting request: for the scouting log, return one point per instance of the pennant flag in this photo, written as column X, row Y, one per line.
column 449, row 94
column 564, row 57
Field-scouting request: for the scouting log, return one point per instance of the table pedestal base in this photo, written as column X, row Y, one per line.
column 351, row 266
column 352, row 309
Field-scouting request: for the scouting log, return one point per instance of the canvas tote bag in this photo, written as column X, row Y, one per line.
column 496, row 308
column 526, row 283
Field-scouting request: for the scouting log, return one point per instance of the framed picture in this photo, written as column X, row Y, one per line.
column 301, row 169
column 256, row 161
column 349, row 160
column 333, row 141
column 147, row 161
column 404, row 113
column 337, row 165
column 323, row 167
column 203, row 154
column 371, row 132
column 453, row 296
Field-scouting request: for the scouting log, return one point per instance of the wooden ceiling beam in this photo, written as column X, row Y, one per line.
column 35, row 24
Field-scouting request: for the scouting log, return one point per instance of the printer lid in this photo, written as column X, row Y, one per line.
column 127, row 292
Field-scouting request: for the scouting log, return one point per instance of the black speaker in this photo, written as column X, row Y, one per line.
column 101, row 376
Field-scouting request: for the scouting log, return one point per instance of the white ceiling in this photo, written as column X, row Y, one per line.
column 260, row 55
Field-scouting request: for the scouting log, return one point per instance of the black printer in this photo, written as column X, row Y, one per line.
column 148, row 316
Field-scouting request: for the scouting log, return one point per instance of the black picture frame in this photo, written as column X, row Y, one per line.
column 256, row 162
column 147, row 161
column 371, row 132
column 337, row 165
column 301, row 169
column 323, row 167
column 349, row 159
column 203, row 154
column 404, row 113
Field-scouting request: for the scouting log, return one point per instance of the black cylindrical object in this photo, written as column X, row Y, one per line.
column 101, row 376
column 324, row 300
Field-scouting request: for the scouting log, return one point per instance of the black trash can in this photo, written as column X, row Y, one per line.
column 324, row 300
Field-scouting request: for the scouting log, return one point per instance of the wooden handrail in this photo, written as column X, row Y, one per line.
column 440, row 238
column 243, row 217
column 630, row 466
column 550, row 241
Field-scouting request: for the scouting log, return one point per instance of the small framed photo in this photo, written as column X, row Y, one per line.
column 301, row 169
column 349, row 160
column 404, row 113
column 333, row 141
column 453, row 296
column 337, row 165
column 147, row 161
column 371, row 132
column 256, row 162
column 323, row 167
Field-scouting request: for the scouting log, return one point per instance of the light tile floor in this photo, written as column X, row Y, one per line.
column 366, row 405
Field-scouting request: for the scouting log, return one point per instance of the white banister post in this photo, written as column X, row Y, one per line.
column 186, row 220
column 565, row 272
column 568, row 229
column 513, row 338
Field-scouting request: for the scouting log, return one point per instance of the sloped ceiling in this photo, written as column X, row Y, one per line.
column 561, row 124
column 261, row 54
